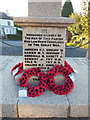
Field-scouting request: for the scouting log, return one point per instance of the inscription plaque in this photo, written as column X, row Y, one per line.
column 43, row 47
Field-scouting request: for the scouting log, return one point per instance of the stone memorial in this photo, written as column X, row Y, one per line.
column 44, row 35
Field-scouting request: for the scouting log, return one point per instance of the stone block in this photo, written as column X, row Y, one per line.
column 44, row 9
column 49, row 105
column 45, row 106
column 8, row 101
column 78, row 98
column 44, row 21
column 9, row 110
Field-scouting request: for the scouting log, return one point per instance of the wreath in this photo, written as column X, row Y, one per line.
column 60, row 89
column 68, row 66
column 37, row 90
column 45, row 80
column 18, row 68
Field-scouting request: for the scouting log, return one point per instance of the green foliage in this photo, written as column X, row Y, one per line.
column 67, row 9
column 79, row 30
column 16, row 25
column 70, row 44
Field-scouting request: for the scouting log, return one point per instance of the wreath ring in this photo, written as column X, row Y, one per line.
column 33, row 91
column 18, row 68
column 60, row 89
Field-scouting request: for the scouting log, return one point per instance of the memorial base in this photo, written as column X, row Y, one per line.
column 74, row 104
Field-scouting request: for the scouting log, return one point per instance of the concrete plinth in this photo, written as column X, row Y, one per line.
column 48, row 105
column 79, row 97
column 45, row 106
column 8, row 100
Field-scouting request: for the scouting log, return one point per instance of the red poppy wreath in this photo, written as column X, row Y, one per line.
column 45, row 80
column 60, row 89
column 37, row 90
column 18, row 67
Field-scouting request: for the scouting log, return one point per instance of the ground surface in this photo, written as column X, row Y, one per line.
column 50, row 119
column 12, row 47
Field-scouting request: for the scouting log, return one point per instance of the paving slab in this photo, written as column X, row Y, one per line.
column 45, row 106
column 8, row 101
column 79, row 97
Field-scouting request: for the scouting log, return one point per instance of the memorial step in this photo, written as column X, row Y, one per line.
column 48, row 105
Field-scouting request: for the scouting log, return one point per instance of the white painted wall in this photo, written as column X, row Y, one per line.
column 7, row 27
column 5, row 22
column 9, row 30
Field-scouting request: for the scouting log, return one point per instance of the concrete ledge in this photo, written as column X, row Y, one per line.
column 48, row 105
column 8, row 101
column 45, row 106
column 78, row 99
column 9, row 110
column 44, row 21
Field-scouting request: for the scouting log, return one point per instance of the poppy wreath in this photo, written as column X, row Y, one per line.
column 68, row 66
column 60, row 89
column 46, row 80
column 37, row 90
column 19, row 68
